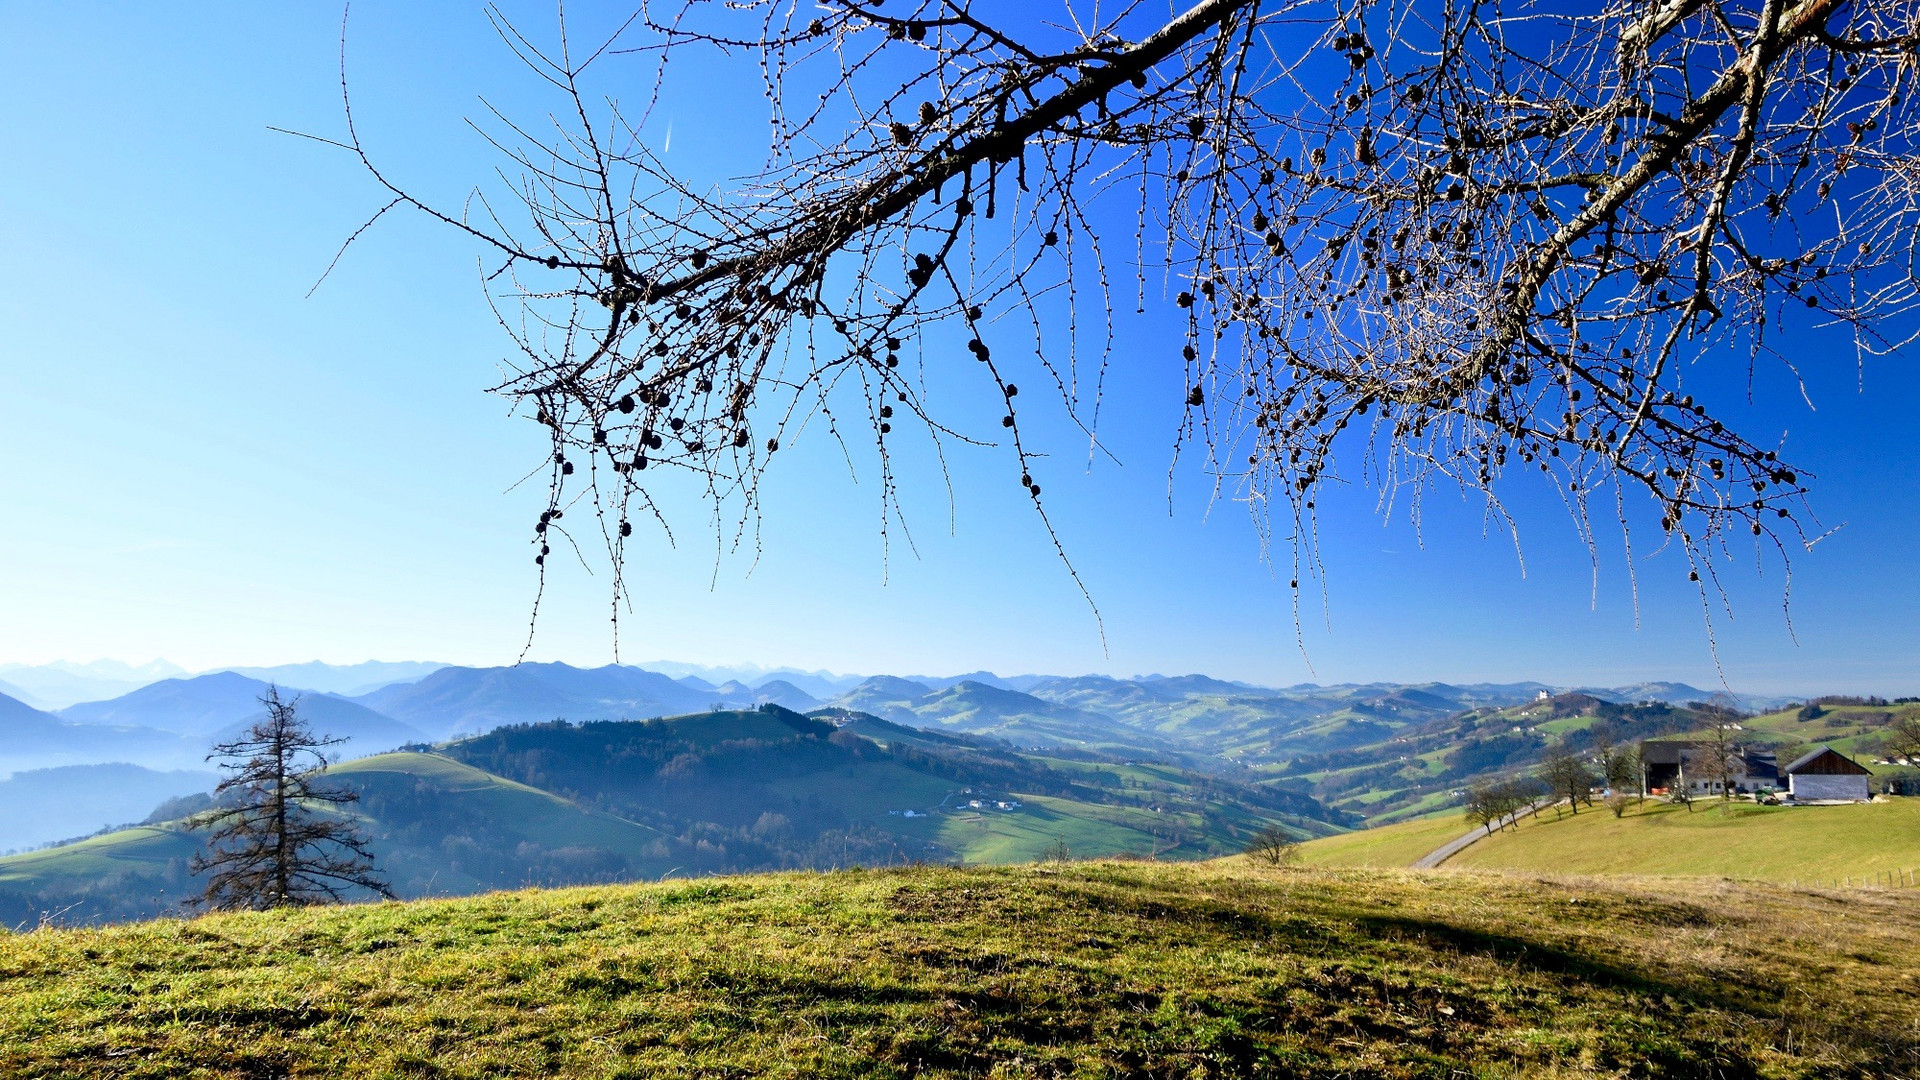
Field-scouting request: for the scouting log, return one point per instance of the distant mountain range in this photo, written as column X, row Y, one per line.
column 212, row 708
column 818, row 684
column 7, row 689
column 55, row 686
column 976, row 707
column 30, row 739
column 169, row 722
column 62, row 683
column 200, row 705
column 462, row 700
column 346, row 680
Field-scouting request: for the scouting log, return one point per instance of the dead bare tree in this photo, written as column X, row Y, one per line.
column 1566, row 775
column 1443, row 242
column 1274, row 846
column 1902, row 738
column 275, row 843
column 1721, row 758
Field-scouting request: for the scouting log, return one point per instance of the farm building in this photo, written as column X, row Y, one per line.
column 1824, row 774
column 1668, row 760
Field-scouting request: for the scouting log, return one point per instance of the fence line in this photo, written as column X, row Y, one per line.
column 1891, row 879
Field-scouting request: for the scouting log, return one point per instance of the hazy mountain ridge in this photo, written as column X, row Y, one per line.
column 31, row 739
column 819, row 684
column 366, row 731
column 346, row 680
column 980, row 708
column 1194, row 715
column 471, row 700
column 8, row 690
column 64, row 683
column 40, row 806
column 196, row 706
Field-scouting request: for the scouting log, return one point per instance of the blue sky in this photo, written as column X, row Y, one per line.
column 204, row 464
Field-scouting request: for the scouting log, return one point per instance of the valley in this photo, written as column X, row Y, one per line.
column 477, row 779
column 725, row 792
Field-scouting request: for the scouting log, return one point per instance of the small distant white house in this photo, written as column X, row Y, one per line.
column 1823, row 774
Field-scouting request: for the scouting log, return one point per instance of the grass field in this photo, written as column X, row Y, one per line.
column 100, row 857
column 1085, row 970
column 1744, row 841
column 1029, row 833
column 1386, row 845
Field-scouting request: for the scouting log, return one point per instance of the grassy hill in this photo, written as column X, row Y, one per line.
column 1745, row 841
column 1103, row 969
column 438, row 828
column 446, row 828
column 130, row 871
column 1855, row 730
column 1397, row 845
column 1769, row 843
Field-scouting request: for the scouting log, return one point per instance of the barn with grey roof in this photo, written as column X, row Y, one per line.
column 1824, row 774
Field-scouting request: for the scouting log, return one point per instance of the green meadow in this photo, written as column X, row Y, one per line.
column 1097, row 969
column 1735, row 840
column 1386, row 845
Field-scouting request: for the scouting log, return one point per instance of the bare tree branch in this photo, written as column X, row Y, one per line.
column 1457, row 242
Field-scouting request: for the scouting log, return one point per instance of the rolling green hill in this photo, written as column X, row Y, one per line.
column 1855, row 730
column 1096, row 969
column 445, row 828
column 730, row 791
column 438, row 827
column 771, row 788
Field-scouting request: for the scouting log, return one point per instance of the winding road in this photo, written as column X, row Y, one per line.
column 1453, row 847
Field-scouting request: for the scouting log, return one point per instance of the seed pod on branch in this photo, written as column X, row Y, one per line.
column 1603, row 198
